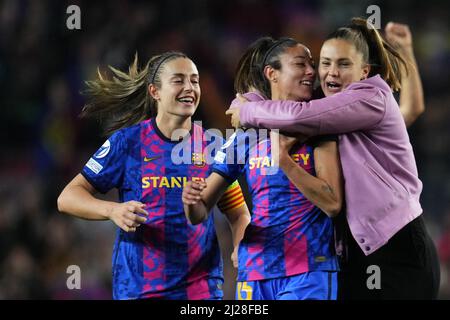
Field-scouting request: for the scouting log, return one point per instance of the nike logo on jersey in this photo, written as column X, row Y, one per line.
column 151, row 158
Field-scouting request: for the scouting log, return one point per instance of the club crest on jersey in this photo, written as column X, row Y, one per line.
column 198, row 159
column 103, row 151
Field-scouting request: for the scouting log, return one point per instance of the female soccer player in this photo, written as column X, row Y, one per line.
column 287, row 252
column 157, row 253
column 387, row 237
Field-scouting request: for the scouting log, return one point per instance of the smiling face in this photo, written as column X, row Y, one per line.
column 295, row 79
column 340, row 64
column 179, row 92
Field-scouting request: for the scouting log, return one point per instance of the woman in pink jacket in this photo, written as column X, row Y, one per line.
column 389, row 252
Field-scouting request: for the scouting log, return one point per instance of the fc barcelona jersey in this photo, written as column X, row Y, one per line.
column 166, row 257
column 288, row 235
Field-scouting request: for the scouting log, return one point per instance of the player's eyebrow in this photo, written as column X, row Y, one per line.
column 183, row 75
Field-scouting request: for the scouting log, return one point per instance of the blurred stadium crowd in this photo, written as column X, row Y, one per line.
column 44, row 143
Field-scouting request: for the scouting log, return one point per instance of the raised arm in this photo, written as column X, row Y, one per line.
column 412, row 103
column 78, row 199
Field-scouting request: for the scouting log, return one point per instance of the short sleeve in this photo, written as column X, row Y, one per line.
column 229, row 161
column 105, row 169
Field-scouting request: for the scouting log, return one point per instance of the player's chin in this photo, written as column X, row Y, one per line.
column 304, row 95
column 183, row 113
column 187, row 109
column 189, row 113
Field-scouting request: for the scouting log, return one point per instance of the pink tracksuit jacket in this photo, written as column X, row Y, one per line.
column 382, row 187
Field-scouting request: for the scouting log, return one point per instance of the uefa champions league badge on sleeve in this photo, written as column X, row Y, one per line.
column 220, row 157
column 94, row 166
column 103, row 150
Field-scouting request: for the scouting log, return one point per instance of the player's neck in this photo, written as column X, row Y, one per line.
column 168, row 124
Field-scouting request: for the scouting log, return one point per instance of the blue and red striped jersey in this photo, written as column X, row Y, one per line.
column 288, row 235
column 166, row 257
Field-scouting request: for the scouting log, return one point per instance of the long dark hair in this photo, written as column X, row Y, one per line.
column 261, row 53
column 124, row 100
column 379, row 54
